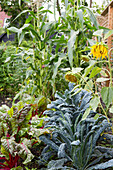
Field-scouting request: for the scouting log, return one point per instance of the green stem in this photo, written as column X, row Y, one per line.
column 55, row 10
column 110, row 69
column 58, row 7
column 94, row 95
column 40, row 61
column 77, row 4
column 74, row 8
column 107, row 71
column 84, row 2
column 102, row 62
column 38, row 21
column 34, row 23
column 33, row 18
column 77, row 57
column 104, row 112
column 41, row 76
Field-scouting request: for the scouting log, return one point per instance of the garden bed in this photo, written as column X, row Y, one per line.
column 61, row 118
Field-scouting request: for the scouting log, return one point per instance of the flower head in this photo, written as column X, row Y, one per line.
column 43, row 66
column 71, row 77
column 85, row 58
column 99, row 50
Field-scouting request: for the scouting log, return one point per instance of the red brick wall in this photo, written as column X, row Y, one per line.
column 2, row 17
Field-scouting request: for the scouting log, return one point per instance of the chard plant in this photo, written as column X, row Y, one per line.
column 20, row 128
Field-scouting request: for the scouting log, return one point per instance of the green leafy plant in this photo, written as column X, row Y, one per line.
column 75, row 134
column 75, row 31
column 10, row 6
column 11, row 60
column 40, row 57
column 20, row 128
column 55, row 43
column 93, row 76
column 11, row 125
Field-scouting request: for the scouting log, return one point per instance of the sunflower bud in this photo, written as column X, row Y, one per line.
column 85, row 58
column 70, row 77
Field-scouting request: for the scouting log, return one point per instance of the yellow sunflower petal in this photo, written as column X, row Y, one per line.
column 99, row 51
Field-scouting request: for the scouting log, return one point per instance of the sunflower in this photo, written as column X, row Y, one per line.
column 70, row 77
column 99, row 50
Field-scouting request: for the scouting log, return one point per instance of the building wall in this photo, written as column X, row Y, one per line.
column 103, row 20
column 106, row 20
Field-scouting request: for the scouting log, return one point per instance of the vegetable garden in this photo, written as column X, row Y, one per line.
column 55, row 74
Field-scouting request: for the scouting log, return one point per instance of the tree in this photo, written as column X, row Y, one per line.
column 13, row 8
column 99, row 9
column 105, row 4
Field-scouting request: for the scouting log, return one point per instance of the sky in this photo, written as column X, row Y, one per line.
column 99, row 2
column 50, row 16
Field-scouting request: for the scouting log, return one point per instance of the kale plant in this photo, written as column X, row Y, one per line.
column 74, row 138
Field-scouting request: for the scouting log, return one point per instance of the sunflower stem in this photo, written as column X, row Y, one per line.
column 95, row 95
column 110, row 69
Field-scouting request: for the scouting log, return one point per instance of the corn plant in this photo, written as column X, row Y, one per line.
column 55, row 43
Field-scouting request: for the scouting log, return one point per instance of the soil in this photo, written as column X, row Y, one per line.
column 6, row 100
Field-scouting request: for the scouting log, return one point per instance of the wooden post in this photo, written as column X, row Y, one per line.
column 110, row 24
